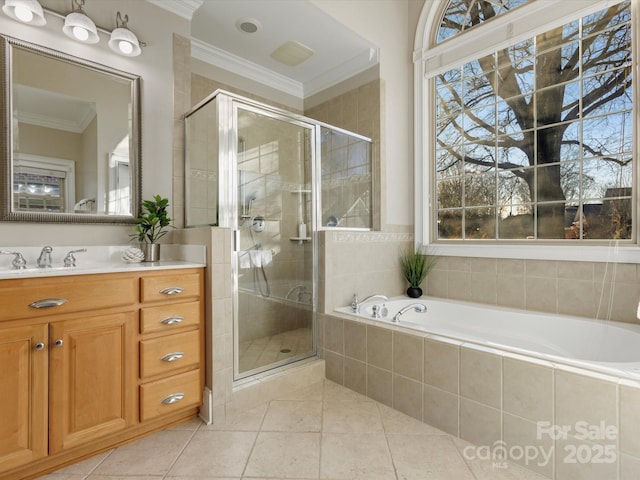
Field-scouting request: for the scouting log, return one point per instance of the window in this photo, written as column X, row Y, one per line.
column 532, row 138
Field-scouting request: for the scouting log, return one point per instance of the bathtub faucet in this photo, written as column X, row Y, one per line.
column 355, row 304
column 418, row 307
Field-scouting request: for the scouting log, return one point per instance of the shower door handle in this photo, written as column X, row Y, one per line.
column 236, row 240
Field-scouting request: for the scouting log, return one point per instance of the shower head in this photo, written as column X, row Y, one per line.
column 246, row 207
column 250, row 201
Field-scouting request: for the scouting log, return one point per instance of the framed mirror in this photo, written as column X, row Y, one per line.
column 70, row 138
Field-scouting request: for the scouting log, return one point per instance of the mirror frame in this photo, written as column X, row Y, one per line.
column 6, row 142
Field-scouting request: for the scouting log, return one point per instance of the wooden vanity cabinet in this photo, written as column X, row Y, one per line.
column 171, row 347
column 86, row 375
column 91, row 378
column 23, row 394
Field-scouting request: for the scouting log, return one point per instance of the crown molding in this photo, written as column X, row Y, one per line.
column 344, row 71
column 182, row 8
column 239, row 66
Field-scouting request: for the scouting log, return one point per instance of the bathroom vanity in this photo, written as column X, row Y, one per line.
column 91, row 361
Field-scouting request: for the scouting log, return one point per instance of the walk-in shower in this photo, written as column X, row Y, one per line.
column 257, row 170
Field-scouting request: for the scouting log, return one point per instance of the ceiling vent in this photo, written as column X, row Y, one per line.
column 292, row 53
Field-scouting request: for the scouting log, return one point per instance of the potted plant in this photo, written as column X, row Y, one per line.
column 152, row 225
column 415, row 268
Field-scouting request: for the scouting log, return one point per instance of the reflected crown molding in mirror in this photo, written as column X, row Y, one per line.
column 63, row 110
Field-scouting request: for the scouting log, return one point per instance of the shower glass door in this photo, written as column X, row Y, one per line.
column 274, row 258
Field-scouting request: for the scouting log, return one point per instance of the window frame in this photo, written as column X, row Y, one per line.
column 431, row 58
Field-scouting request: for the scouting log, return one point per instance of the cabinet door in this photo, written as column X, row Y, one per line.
column 23, row 398
column 92, row 378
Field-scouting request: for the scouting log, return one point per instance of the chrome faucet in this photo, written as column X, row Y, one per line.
column 418, row 307
column 18, row 261
column 70, row 259
column 355, row 304
column 44, row 260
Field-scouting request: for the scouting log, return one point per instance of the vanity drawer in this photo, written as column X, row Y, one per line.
column 169, row 394
column 169, row 353
column 65, row 294
column 170, row 287
column 167, row 318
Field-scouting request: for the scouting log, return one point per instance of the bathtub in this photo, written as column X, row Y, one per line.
column 601, row 346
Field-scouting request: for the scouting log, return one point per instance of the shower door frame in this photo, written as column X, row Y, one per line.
column 228, row 106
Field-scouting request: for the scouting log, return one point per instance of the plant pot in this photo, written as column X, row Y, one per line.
column 151, row 251
column 414, row 292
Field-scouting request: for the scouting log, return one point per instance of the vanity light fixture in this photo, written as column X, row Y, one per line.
column 25, row 11
column 78, row 26
column 123, row 40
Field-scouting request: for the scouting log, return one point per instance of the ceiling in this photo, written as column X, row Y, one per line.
column 339, row 53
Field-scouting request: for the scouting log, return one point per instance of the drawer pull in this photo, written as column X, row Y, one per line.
column 48, row 303
column 172, row 320
column 172, row 290
column 172, row 357
column 173, row 398
column 39, row 346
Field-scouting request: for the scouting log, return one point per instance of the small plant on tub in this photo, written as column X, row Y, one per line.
column 416, row 265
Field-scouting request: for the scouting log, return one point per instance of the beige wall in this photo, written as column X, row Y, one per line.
column 154, row 26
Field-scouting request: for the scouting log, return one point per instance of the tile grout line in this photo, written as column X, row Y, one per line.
column 182, row 449
column 255, row 440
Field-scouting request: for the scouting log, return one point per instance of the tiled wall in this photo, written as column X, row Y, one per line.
column 359, row 111
column 485, row 396
column 365, row 263
column 595, row 290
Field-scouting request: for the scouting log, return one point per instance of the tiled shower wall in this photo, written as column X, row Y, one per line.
column 359, row 110
column 608, row 291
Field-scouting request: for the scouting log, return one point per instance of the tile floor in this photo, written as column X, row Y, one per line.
column 324, row 431
column 267, row 350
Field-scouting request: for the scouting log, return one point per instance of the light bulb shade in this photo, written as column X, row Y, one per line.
column 81, row 28
column 124, row 42
column 25, row 11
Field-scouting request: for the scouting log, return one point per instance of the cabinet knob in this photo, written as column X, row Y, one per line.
column 58, row 343
column 48, row 303
column 172, row 320
column 173, row 398
column 39, row 346
column 172, row 357
column 172, row 290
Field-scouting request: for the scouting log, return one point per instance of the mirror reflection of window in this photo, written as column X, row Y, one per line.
column 42, row 184
column 34, row 193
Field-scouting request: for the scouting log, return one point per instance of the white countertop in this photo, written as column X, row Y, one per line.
column 99, row 259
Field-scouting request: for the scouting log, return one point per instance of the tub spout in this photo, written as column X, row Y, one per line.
column 418, row 307
column 355, row 304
